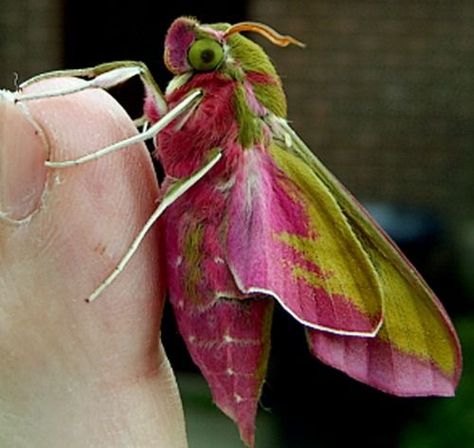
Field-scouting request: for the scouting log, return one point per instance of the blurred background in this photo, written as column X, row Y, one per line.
column 384, row 95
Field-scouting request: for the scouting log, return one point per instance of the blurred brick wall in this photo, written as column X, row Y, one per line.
column 30, row 38
column 384, row 94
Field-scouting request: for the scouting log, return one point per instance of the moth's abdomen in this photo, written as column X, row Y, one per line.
column 227, row 333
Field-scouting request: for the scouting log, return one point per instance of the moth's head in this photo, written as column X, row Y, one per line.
column 193, row 47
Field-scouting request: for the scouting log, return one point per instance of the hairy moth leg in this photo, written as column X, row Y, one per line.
column 102, row 76
column 173, row 193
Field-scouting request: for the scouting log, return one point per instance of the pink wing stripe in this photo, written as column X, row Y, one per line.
column 260, row 209
column 380, row 365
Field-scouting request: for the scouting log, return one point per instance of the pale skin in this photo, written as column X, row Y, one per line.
column 74, row 373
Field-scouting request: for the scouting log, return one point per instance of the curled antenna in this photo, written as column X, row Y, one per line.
column 267, row 32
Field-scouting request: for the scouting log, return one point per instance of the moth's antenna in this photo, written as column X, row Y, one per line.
column 266, row 31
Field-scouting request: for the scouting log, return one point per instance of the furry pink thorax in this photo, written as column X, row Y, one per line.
column 184, row 145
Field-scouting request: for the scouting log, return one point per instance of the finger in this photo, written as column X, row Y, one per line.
column 90, row 214
column 69, row 361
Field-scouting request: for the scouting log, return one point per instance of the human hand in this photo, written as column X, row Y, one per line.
column 76, row 374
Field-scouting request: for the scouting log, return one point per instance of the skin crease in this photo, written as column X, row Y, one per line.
column 73, row 373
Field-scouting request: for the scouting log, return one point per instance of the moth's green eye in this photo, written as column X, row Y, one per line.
column 205, row 55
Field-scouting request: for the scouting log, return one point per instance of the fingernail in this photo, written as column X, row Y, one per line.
column 23, row 151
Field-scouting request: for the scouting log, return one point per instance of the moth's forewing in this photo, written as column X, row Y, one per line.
column 416, row 351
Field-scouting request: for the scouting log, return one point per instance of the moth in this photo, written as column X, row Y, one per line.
column 253, row 220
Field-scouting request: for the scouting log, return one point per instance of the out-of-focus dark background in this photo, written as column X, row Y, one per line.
column 384, row 94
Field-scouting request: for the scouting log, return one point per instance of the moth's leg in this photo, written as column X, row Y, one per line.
column 101, row 76
column 188, row 102
column 173, row 193
column 105, row 76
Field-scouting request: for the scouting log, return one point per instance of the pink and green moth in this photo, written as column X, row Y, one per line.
column 252, row 219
